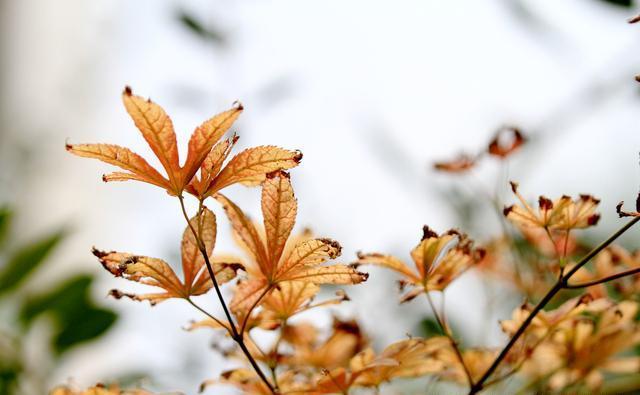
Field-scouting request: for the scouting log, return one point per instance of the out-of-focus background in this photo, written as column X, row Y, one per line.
column 371, row 92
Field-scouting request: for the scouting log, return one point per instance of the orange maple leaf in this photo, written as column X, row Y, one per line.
column 158, row 273
column 157, row 129
column 310, row 351
column 249, row 167
column 406, row 358
column 562, row 214
column 438, row 261
column 206, row 153
column 274, row 259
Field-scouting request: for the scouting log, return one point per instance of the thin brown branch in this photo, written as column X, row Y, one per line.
column 237, row 337
column 562, row 283
column 604, row 279
column 203, row 311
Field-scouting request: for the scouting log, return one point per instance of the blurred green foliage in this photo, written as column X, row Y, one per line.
column 197, row 27
column 67, row 306
column 621, row 3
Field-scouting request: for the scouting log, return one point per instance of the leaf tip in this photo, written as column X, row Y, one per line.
column 98, row 253
column 363, row 276
column 117, row 294
column 127, row 91
column 506, row 210
column 237, row 105
column 428, row 233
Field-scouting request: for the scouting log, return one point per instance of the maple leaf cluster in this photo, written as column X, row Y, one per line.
column 571, row 346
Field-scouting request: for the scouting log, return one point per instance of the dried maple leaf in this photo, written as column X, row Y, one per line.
column 293, row 297
column 622, row 213
column 507, row 140
column 248, row 382
column 98, row 389
column 249, row 167
column 157, row 129
column 476, row 361
column 407, row 358
column 584, row 347
column 158, row 273
column 546, row 321
column 562, row 214
column 345, row 341
column 270, row 264
column 460, row 164
column 438, row 261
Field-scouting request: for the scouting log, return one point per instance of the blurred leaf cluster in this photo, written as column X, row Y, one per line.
column 65, row 306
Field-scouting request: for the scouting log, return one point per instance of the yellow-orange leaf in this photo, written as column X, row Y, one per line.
column 205, row 136
column 562, row 214
column 279, row 208
column 98, row 389
column 438, row 261
column 252, row 163
column 310, row 253
column 211, row 166
column 145, row 270
column 247, row 294
column 270, row 266
column 406, row 358
column 389, row 262
column 245, row 231
column 289, row 298
column 334, row 274
column 224, row 272
column 156, row 272
column 192, row 259
column 157, row 129
column 345, row 341
column 123, row 158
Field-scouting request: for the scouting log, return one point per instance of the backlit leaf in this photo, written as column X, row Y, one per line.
column 254, row 162
column 279, row 207
column 157, row 129
column 205, row 136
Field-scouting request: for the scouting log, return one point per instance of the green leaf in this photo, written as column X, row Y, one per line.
column 11, row 364
column 620, row 3
column 85, row 325
column 64, row 300
column 5, row 222
column 429, row 327
column 199, row 29
column 26, row 260
column 69, row 304
column 9, row 377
